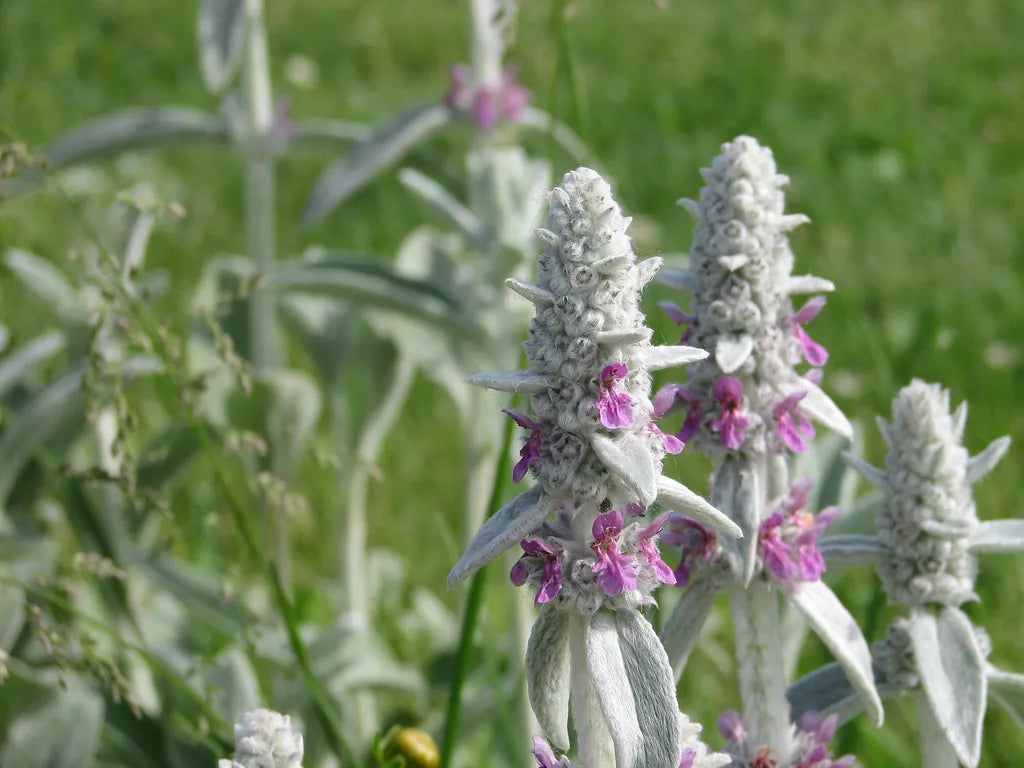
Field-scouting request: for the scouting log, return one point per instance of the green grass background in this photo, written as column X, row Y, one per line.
column 898, row 121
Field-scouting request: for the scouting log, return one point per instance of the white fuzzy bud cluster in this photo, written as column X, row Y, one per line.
column 593, row 320
column 893, row 658
column 927, row 514
column 740, row 276
column 265, row 739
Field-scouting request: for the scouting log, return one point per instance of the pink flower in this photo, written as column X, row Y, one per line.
column 693, row 416
column 689, row 755
column 814, row 353
column 793, row 426
column 696, row 542
column 661, row 403
column 732, row 423
column 789, row 537
column 537, row 553
column 676, row 315
column 650, row 550
column 530, row 451
column 614, row 405
column 545, row 756
column 822, row 730
column 617, row 571
column 514, row 98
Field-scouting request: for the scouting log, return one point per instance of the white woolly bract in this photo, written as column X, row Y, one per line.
column 266, row 739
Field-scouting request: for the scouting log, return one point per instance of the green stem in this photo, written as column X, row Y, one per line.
column 470, row 618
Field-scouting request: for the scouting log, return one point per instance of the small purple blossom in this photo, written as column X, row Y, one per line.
column 814, row 353
column 487, row 106
column 730, row 725
column 530, row 451
column 820, row 731
column 697, row 543
column 614, row 405
column 689, row 755
column 793, row 426
column 617, row 571
column 537, row 552
column 693, row 416
column 545, row 756
column 649, row 549
column 661, row 403
column 732, row 424
column 789, row 537
column 677, row 316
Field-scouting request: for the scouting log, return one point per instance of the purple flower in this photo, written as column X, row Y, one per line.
column 661, row 403
column 485, row 108
column 821, row 731
column 696, row 541
column 676, row 315
column 689, row 755
column 537, row 552
column 789, row 537
column 732, row 424
column 775, row 550
column 650, row 550
column 530, row 451
column 814, row 353
column 617, row 571
column 514, row 98
column 730, row 725
column 693, row 416
column 635, row 510
column 793, row 426
column 614, row 405
column 545, row 756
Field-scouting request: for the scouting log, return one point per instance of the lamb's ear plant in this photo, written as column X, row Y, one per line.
column 928, row 540
column 596, row 454
column 749, row 409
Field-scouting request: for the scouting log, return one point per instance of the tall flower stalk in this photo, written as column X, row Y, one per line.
column 749, row 408
column 928, row 538
column 596, row 456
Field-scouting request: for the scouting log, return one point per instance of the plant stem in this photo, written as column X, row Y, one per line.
column 755, row 616
column 260, row 178
column 470, row 618
column 353, row 554
column 758, row 631
column 935, row 749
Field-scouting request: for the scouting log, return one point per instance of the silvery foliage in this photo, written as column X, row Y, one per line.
column 741, row 279
column 265, row 739
column 925, row 551
column 600, row 653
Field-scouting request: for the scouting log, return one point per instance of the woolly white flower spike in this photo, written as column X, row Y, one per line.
column 927, row 523
column 265, row 739
column 596, row 453
column 747, row 397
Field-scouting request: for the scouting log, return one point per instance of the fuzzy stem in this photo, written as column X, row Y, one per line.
column 353, row 554
column 935, row 749
column 260, row 188
column 758, row 631
column 755, row 616
column 488, row 47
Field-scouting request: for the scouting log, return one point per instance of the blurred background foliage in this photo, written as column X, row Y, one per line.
column 899, row 124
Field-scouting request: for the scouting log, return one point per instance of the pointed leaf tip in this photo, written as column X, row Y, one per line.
column 678, row 497
column 836, row 627
column 507, row 526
